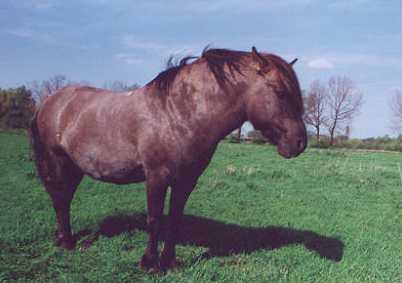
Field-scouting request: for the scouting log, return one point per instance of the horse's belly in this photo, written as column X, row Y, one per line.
column 116, row 170
column 122, row 176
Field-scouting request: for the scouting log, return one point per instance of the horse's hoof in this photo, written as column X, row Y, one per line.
column 149, row 264
column 67, row 244
column 169, row 263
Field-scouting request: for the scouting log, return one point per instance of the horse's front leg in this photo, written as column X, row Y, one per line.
column 178, row 199
column 156, row 192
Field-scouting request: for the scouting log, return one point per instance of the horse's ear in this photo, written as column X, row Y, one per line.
column 293, row 62
column 259, row 58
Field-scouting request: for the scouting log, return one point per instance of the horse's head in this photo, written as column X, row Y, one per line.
column 274, row 103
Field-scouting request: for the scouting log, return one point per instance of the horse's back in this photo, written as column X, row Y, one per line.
column 58, row 109
column 89, row 126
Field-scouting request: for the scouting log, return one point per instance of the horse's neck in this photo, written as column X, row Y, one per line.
column 216, row 111
column 230, row 115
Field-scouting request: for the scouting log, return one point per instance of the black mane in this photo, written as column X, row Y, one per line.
column 165, row 78
column 216, row 60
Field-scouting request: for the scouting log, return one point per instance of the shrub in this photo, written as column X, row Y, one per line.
column 379, row 143
column 256, row 137
column 16, row 108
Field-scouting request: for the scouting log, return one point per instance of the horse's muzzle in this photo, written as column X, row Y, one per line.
column 293, row 148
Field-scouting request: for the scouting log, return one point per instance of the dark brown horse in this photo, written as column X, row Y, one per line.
column 163, row 134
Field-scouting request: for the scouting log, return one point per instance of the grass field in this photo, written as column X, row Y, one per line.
column 327, row 216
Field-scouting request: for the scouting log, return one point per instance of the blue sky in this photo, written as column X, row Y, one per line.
column 101, row 40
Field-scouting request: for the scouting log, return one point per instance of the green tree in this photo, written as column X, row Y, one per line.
column 16, row 107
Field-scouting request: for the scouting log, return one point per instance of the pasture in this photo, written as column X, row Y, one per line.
column 326, row 216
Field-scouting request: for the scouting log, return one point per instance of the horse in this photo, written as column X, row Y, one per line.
column 163, row 134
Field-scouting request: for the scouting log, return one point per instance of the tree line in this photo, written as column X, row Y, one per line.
column 17, row 105
column 330, row 107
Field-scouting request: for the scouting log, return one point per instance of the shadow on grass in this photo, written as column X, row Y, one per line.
column 224, row 239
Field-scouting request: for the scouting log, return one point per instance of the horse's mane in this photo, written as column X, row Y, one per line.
column 216, row 60
column 165, row 78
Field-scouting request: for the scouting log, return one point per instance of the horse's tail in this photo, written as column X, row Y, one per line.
column 37, row 147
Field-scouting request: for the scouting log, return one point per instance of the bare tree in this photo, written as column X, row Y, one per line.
column 315, row 107
column 239, row 134
column 116, row 85
column 120, row 86
column 347, row 132
column 396, row 108
column 236, row 134
column 54, row 84
column 344, row 102
column 41, row 90
column 134, row 86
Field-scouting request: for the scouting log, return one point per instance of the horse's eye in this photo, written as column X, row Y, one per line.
column 280, row 92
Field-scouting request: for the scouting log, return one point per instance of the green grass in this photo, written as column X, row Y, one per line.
column 327, row 216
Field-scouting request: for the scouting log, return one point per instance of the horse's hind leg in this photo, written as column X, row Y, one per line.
column 60, row 177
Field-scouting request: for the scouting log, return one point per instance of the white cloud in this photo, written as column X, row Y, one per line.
column 100, row 2
column 43, row 4
column 346, row 3
column 30, row 34
column 367, row 59
column 396, row 89
column 129, row 59
column 332, row 60
column 21, row 32
column 136, row 43
column 321, row 63
column 165, row 49
column 203, row 6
